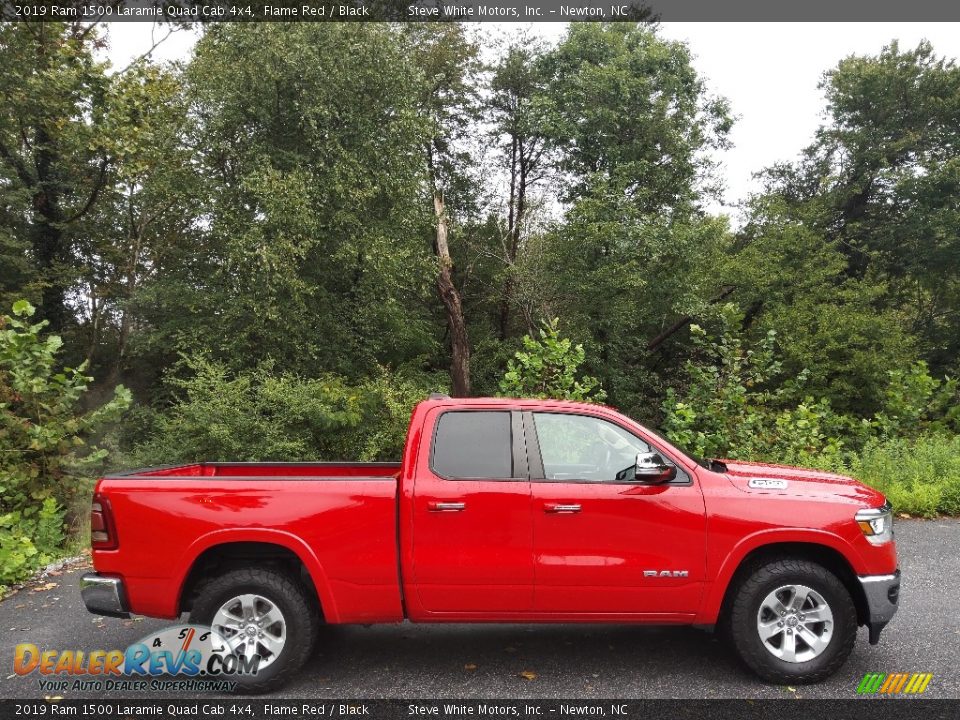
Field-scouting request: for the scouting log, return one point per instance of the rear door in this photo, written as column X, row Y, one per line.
column 472, row 536
column 603, row 546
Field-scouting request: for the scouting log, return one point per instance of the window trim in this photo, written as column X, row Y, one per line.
column 538, row 474
column 518, row 454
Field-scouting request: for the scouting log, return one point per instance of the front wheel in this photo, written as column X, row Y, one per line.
column 264, row 614
column 792, row 621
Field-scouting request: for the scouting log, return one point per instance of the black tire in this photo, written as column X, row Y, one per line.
column 302, row 621
column 740, row 625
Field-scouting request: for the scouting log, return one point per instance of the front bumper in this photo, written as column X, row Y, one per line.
column 104, row 595
column 883, row 594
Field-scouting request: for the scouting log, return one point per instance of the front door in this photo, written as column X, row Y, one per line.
column 608, row 547
column 472, row 535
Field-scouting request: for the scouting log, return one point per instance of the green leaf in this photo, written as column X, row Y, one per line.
column 23, row 308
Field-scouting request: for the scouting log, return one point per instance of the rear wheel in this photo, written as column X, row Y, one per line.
column 261, row 613
column 792, row 621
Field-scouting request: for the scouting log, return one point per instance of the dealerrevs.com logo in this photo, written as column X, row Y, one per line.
column 183, row 657
column 894, row 683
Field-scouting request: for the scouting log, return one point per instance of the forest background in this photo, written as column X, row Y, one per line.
column 271, row 251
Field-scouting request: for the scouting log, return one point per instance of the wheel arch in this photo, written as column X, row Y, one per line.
column 222, row 551
column 825, row 555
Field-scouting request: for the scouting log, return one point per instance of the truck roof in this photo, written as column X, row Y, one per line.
column 438, row 400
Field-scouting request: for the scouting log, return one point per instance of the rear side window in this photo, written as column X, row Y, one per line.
column 473, row 445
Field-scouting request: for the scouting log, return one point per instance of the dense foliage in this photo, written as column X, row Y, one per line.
column 279, row 257
column 46, row 456
column 741, row 403
column 262, row 414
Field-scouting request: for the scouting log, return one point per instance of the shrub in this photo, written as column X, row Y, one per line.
column 45, row 457
column 916, row 403
column 547, row 367
column 950, row 496
column 388, row 399
column 29, row 539
column 220, row 415
column 249, row 416
column 738, row 405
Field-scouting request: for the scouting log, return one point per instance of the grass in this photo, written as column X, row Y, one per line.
column 920, row 477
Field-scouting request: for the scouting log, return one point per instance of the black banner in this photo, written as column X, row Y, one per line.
column 240, row 707
column 475, row 10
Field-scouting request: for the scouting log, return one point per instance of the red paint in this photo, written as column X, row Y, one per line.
column 379, row 547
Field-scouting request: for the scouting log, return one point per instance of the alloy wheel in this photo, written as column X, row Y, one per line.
column 252, row 625
column 795, row 623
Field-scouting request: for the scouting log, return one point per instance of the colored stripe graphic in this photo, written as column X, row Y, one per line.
column 871, row 683
column 894, row 683
column 927, row 677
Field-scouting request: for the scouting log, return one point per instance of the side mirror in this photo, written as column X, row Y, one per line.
column 651, row 468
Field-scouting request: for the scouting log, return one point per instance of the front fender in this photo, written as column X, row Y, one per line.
column 715, row 592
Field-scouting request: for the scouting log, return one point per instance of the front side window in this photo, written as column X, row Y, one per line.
column 473, row 445
column 577, row 447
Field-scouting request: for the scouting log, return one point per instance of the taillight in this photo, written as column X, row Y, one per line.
column 103, row 534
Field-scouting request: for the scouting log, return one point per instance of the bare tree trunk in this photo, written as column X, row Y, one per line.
column 135, row 236
column 504, row 311
column 48, row 234
column 518, row 193
column 506, row 297
column 125, row 323
column 95, row 308
column 459, row 342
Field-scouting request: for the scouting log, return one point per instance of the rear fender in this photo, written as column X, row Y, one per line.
column 263, row 535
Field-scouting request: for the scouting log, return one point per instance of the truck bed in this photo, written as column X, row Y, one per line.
column 270, row 470
column 340, row 518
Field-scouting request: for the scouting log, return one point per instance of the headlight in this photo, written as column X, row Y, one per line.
column 877, row 523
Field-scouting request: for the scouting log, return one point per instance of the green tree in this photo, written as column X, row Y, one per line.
column 632, row 125
column 839, row 329
column 878, row 188
column 310, row 248
column 517, row 108
column 145, row 220
column 739, row 403
column 54, row 155
column 633, row 118
column 741, row 400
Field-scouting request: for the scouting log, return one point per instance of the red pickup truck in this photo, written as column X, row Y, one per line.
column 503, row 511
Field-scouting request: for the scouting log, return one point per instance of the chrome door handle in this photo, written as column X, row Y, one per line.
column 446, row 506
column 555, row 508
